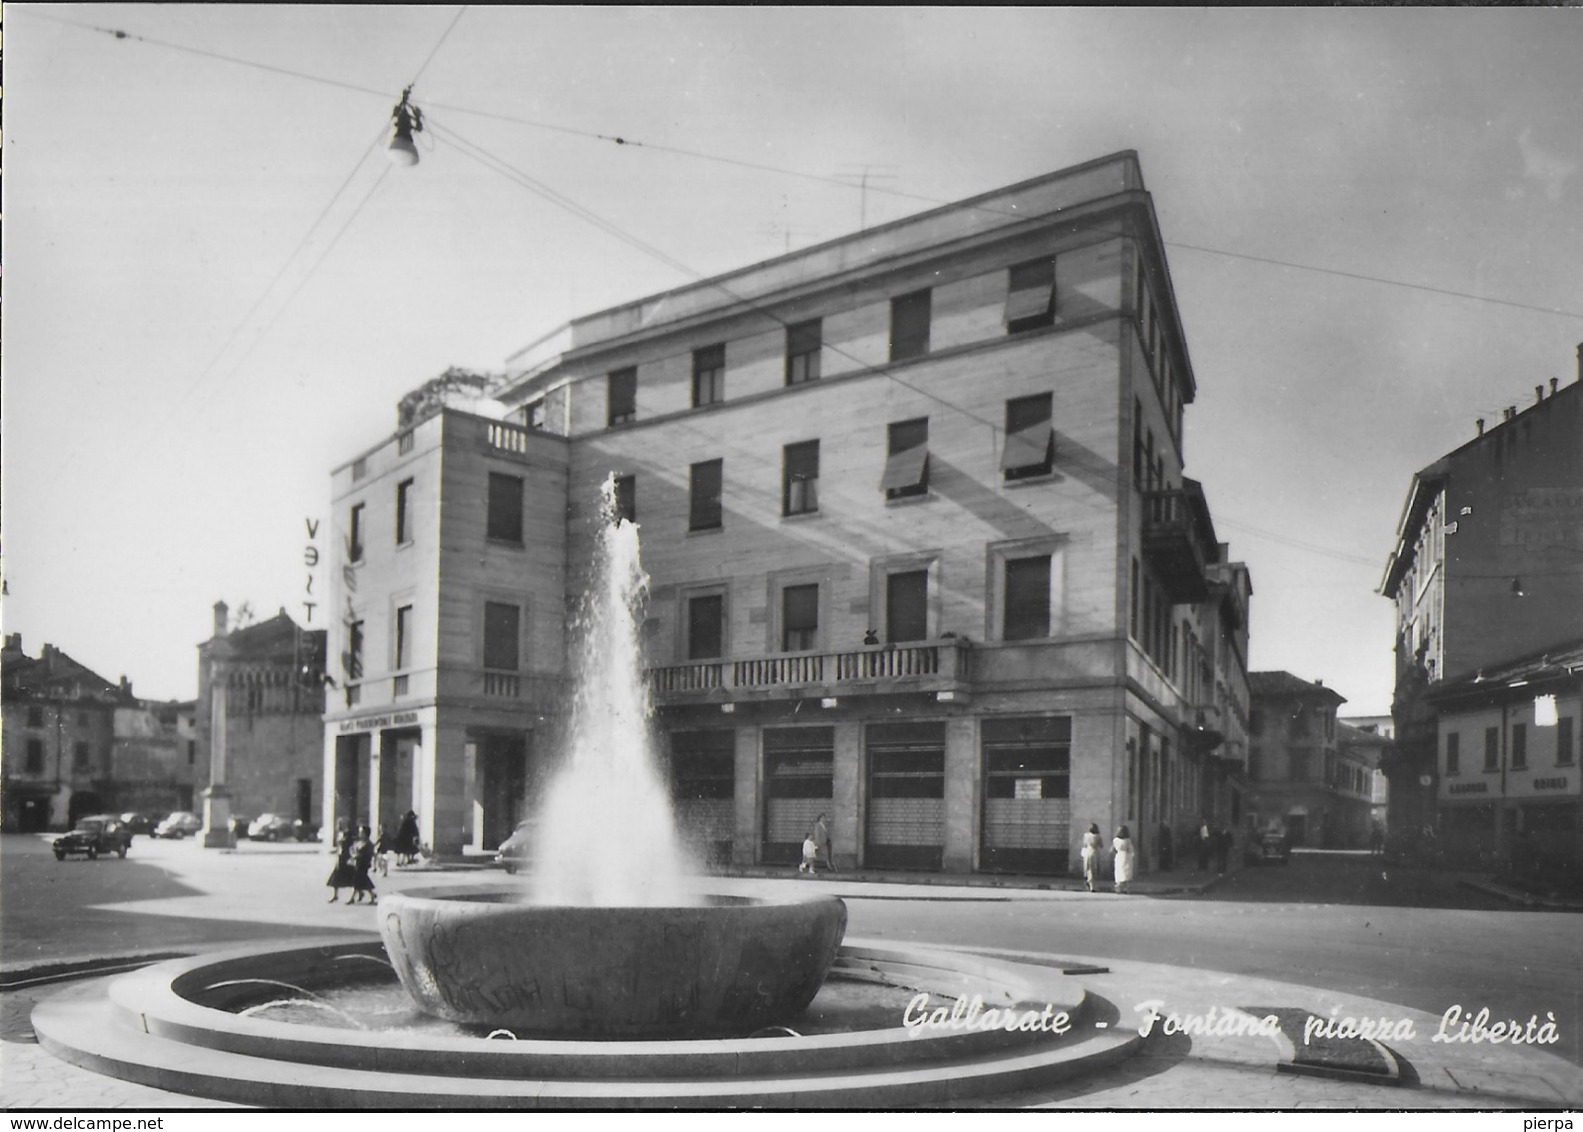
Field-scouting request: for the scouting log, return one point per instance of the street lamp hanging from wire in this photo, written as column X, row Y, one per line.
column 408, row 120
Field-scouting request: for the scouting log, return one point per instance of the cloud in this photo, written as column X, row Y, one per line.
column 1549, row 169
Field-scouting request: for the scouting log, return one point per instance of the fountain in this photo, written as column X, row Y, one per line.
column 610, row 982
column 611, row 942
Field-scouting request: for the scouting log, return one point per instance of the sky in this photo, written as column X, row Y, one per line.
column 217, row 287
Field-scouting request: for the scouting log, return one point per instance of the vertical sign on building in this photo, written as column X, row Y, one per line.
column 310, row 558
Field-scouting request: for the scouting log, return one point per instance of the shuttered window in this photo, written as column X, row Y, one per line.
column 1030, row 438
column 1030, row 299
column 907, row 606
column 502, row 633
column 907, row 465
column 705, row 625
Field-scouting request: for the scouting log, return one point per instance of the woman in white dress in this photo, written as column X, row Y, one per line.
column 1122, row 848
column 1090, row 855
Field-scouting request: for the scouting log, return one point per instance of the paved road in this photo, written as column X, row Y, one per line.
column 1335, row 921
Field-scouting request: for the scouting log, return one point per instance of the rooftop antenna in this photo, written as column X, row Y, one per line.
column 863, row 175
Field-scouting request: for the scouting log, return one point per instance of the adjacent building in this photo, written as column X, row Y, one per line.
column 155, row 757
column 1294, row 761
column 1509, row 788
column 269, row 719
column 59, row 736
column 1487, row 571
column 923, row 553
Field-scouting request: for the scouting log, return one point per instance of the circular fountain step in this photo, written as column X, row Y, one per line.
column 174, row 1026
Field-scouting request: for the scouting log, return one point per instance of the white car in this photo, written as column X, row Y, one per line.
column 272, row 827
column 178, row 825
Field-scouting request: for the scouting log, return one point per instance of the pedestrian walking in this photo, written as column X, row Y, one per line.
column 1206, row 842
column 1122, row 849
column 342, row 875
column 407, row 839
column 362, row 859
column 821, row 838
column 1090, row 855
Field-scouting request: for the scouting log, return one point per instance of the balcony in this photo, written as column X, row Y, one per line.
column 1174, row 542
column 1202, row 727
column 923, row 666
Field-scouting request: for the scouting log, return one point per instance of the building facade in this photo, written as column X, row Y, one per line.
column 1509, row 788
column 923, row 555
column 59, row 738
column 269, row 719
column 155, row 758
column 1487, row 569
column 1293, row 758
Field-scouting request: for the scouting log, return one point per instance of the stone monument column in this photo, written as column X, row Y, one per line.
column 217, row 798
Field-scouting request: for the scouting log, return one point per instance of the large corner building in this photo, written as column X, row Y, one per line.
column 923, row 554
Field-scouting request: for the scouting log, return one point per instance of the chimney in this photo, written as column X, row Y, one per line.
column 1539, row 393
column 1580, row 361
column 13, row 641
column 1554, row 381
column 1480, row 423
column 126, row 687
column 221, row 618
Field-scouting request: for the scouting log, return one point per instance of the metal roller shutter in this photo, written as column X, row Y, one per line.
column 906, row 795
column 1026, row 792
column 799, row 781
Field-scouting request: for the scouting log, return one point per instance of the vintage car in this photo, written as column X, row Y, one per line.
column 139, row 822
column 272, row 827
column 516, row 851
column 178, row 825
column 1272, row 843
column 95, row 834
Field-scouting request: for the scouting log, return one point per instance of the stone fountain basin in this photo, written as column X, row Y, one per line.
column 729, row 965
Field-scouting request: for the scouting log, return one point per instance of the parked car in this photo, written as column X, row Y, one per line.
column 272, row 827
column 305, row 830
column 517, row 850
column 239, row 826
column 98, row 833
column 1270, row 844
column 178, row 825
column 139, row 822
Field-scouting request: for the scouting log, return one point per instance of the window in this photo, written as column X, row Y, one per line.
column 1030, row 302
column 192, row 752
column 502, row 633
column 621, row 393
column 709, row 375
column 706, row 627
column 1564, row 741
column 626, row 499
column 799, row 617
column 1027, row 610
column 1137, row 445
column 803, row 342
column 1030, row 438
column 403, row 637
column 505, row 508
column 1519, row 746
column 800, row 478
column 909, row 326
column 354, row 539
column 533, row 414
column 907, row 465
column 1132, row 606
column 35, row 716
column 703, row 510
column 79, row 756
column 404, row 443
column 403, row 502
column 1492, row 748
column 907, row 606
column 35, row 756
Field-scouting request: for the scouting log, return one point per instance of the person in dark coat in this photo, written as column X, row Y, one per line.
column 362, row 858
column 343, row 874
column 1222, row 850
column 407, row 843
